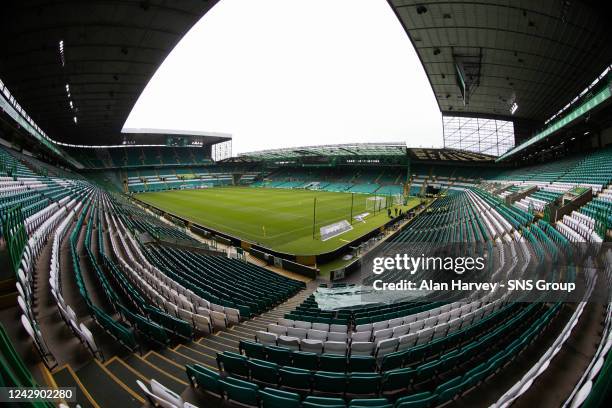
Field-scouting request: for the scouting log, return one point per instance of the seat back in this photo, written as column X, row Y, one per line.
column 279, row 355
column 252, row 349
column 263, row 371
column 325, row 381
column 323, row 402
column 240, row 391
column 233, row 363
column 397, row 379
column 362, row 348
column 305, row 360
column 202, row 323
column 382, row 334
column 380, row 325
column 332, row 362
column 205, row 379
column 317, row 335
column 295, row 378
column 276, row 329
column 272, row 400
column 302, row 324
column 363, row 383
column 265, row 338
column 361, row 336
column 398, row 321
column 155, row 399
column 321, row 326
column 359, row 363
column 298, row 332
column 386, row 346
column 312, row 346
column 290, row 342
column 363, row 327
column 336, row 336
column 165, row 393
column 338, row 328
column 285, row 322
column 335, row 347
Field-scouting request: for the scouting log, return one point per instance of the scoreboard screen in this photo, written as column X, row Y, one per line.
column 174, row 140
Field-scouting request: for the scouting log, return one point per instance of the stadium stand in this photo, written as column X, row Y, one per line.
column 154, row 295
column 272, row 341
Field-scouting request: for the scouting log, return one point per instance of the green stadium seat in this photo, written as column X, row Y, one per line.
column 233, row 363
column 427, row 372
column 263, row 371
column 279, row 355
column 240, row 391
column 370, row 403
column 421, row 400
column 451, row 384
column 362, row 363
column 450, row 393
column 305, row 360
column 329, row 382
column 393, row 360
column 252, row 349
column 332, row 362
column 204, row 378
column 397, row 380
column 273, row 398
column 363, row 383
column 295, row 378
column 323, row 402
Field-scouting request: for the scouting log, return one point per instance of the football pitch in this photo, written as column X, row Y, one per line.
column 278, row 219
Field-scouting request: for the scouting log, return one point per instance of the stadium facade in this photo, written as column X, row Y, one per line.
column 147, row 267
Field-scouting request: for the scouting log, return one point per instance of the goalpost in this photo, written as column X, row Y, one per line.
column 376, row 203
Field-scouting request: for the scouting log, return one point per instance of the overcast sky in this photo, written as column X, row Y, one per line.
column 283, row 73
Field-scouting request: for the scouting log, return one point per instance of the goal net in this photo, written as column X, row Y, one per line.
column 376, row 203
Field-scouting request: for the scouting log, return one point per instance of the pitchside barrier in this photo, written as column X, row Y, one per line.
column 258, row 254
column 222, row 240
column 200, row 231
column 298, row 268
column 284, row 263
column 342, row 273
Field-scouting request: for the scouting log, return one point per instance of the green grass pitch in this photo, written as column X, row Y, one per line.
column 278, row 219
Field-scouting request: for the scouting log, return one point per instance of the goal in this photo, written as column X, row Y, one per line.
column 376, row 203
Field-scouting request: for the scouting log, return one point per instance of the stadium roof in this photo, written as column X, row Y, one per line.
column 341, row 150
column 588, row 110
column 539, row 54
column 97, row 54
column 78, row 67
column 365, row 150
column 447, row 154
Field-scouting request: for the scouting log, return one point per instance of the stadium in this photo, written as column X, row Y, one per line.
column 154, row 267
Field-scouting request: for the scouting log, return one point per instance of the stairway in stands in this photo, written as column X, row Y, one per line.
column 113, row 382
